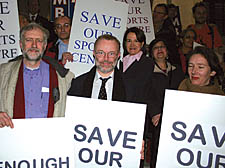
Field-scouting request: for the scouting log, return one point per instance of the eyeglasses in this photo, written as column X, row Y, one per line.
column 110, row 54
column 159, row 47
column 59, row 26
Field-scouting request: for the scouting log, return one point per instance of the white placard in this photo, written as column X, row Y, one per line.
column 37, row 143
column 89, row 22
column 106, row 133
column 140, row 15
column 9, row 30
column 192, row 132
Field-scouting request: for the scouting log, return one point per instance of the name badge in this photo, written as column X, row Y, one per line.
column 44, row 89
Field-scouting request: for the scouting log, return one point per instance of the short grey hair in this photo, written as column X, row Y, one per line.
column 32, row 26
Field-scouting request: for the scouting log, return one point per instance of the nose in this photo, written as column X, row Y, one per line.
column 194, row 70
column 34, row 44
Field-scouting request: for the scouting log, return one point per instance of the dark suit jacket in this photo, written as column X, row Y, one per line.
column 137, row 79
column 82, row 85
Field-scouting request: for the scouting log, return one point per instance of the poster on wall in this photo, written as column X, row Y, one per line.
column 140, row 15
column 61, row 8
column 9, row 30
column 192, row 131
column 106, row 133
column 90, row 22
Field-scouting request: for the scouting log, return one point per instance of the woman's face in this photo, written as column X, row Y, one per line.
column 188, row 39
column 159, row 51
column 199, row 70
column 133, row 46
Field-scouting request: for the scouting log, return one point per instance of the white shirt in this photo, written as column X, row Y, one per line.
column 97, row 85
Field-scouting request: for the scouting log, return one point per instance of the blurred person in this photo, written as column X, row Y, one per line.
column 205, row 73
column 32, row 86
column 187, row 38
column 174, row 15
column 207, row 34
column 136, row 68
column 34, row 16
column 164, row 29
column 165, row 76
column 58, row 48
column 23, row 21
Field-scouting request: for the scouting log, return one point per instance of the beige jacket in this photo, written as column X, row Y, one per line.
column 8, row 79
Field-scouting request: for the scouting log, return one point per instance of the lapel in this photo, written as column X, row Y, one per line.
column 118, row 87
column 88, row 83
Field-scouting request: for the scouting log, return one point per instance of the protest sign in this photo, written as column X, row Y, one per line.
column 89, row 22
column 37, row 143
column 9, row 30
column 106, row 133
column 192, row 131
column 140, row 15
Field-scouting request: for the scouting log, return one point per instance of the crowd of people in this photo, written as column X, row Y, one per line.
column 35, row 85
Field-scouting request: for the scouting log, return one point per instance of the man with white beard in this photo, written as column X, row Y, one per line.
column 32, row 85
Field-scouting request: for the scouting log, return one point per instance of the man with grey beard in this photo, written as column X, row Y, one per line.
column 104, row 80
column 32, row 85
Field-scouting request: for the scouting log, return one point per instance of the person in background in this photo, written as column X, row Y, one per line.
column 31, row 85
column 207, row 34
column 205, row 73
column 136, row 68
column 165, row 76
column 187, row 38
column 58, row 48
column 103, row 81
column 23, row 21
column 34, row 16
column 164, row 29
column 173, row 12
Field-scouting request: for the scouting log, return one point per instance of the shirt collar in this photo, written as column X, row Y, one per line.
column 97, row 76
column 60, row 42
column 136, row 56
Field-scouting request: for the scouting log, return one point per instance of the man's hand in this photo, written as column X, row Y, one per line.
column 155, row 119
column 5, row 120
column 67, row 56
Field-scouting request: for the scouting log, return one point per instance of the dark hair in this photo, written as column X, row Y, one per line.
column 164, row 6
column 211, row 58
column 140, row 38
column 171, row 6
column 154, row 42
column 107, row 37
column 184, row 32
column 32, row 26
column 199, row 4
column 62, row 17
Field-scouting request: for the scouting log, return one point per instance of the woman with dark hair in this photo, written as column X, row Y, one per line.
column 205, row 73
column 187, row 38
column 136, row 67
column 165, row 76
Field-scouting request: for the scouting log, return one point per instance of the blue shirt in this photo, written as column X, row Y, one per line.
column 36, row 91
column 62, row 48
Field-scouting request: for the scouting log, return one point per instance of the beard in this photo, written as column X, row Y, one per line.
column 100, row 65
column 32, row 56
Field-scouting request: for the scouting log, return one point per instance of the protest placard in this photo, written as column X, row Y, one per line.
column 9, row 30
column 140, row 15
column 106, row 133
column 37, row 143
column 89, row 22
column 192, row 131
